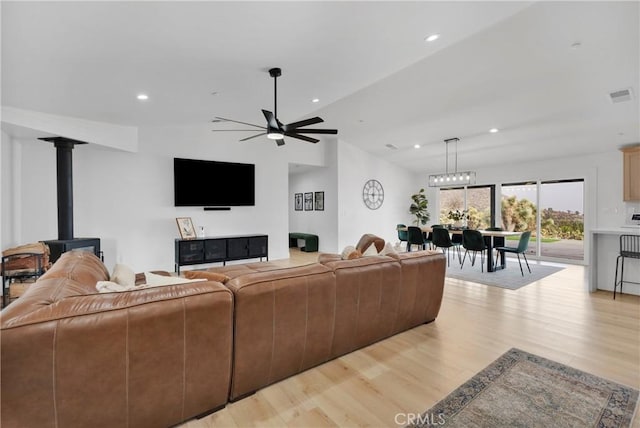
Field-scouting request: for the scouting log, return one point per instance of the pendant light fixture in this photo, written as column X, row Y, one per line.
column 454, row 178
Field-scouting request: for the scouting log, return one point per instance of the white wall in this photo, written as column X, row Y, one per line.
column 355, row 167
column 321, row 223
column 4, row 141
column 106, row 134
column 126, row 199
column 9, row 153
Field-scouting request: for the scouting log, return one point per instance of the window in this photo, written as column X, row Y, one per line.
column 478, row 200
column 450, row 200
column 480, row 205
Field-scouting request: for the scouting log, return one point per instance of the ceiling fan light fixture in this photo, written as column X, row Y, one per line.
column 275, row 135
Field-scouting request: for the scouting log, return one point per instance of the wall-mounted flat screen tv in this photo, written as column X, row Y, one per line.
column 201, row 183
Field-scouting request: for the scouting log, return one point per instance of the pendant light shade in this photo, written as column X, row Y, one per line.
column 455, row 178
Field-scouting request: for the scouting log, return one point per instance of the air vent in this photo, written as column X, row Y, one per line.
column 621, row 96
column 391, row 146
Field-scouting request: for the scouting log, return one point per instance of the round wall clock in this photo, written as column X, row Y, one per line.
column 373, row 194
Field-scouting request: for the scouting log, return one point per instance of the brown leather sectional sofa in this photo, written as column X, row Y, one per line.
column 155, row 357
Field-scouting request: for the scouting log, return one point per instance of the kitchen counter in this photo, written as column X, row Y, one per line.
column 605, row 247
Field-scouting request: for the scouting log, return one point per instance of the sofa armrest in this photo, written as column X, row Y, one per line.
column 151, row 357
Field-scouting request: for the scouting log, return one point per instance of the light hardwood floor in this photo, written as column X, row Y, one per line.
column 555, row 318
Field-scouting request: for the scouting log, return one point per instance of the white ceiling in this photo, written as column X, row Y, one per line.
column 508, row 65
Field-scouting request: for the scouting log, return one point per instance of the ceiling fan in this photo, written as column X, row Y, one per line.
column 275, row 130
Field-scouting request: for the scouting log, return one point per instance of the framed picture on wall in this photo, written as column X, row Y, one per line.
column 318, row 201
column 185, row 226
column 298, row 201
column 308, row 201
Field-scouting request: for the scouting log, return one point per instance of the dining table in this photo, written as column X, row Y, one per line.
column 490, row 242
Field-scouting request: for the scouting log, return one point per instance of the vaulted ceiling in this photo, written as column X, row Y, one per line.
column 540, row 72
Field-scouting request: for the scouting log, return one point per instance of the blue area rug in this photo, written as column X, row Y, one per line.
column 510, row 277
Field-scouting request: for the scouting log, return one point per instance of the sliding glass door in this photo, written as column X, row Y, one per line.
column 554, row 213
column 562, row 219
column 519, row 211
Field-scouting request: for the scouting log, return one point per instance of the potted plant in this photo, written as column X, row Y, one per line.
column 419, row 208
column 458, row 216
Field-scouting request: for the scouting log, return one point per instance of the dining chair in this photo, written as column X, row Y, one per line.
column 429, row 235
column 472, row 240
column 415, row 237
column 402, row 233
column 441, row 239
column 520, row 249
column 629, row 248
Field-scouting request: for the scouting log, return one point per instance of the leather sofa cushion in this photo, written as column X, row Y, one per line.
column 81, row 266
column 283, row 324
column 324, row 258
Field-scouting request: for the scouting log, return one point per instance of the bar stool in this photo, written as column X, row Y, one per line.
column 629, row 248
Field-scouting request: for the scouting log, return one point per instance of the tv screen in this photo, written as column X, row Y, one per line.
column 209, row 183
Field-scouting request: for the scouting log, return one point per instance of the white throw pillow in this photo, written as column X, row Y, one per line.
column 111, row 287
column 154, row 280
column 370, row 251
column 350, row 253
column 388, row 249
column 123, row 275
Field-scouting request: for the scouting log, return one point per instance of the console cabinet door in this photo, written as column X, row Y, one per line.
column 215, row 250
column 190, row 252
column 237, row 248
column 258, row 246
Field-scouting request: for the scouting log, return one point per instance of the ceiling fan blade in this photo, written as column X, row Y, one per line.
column 316, row 131
column 237, row 121
column 301, row 137
column 233, row 130
column 280, row 142
column 254, row 136
column 306, row 122
column 271, row 119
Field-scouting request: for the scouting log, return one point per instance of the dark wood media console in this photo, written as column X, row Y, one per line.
column 215, row 249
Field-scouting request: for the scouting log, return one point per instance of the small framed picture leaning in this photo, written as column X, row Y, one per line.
column 185, row 226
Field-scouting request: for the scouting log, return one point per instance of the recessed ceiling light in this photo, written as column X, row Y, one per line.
column 143, row 97
column 493, row 130
column 432, row 38
column 315, row 100
column 416, row 146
